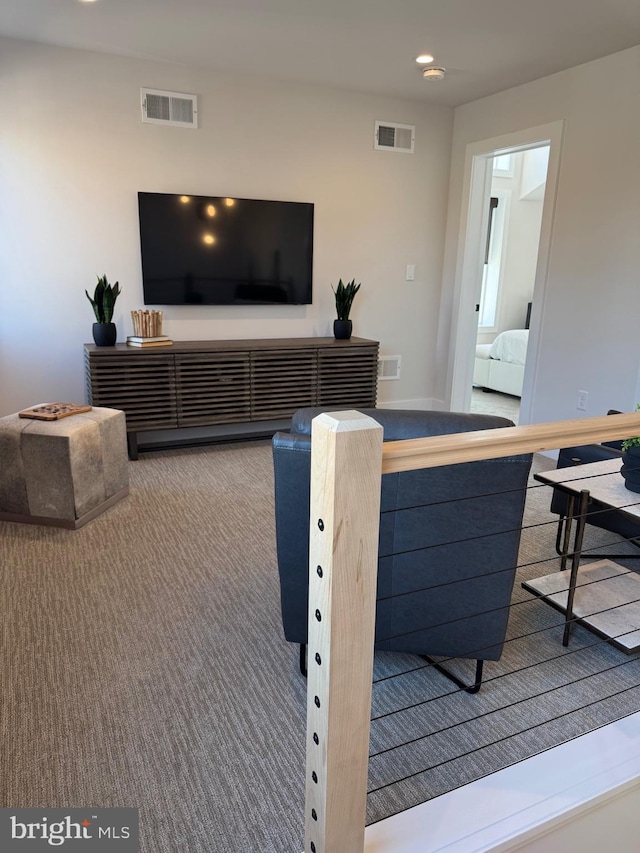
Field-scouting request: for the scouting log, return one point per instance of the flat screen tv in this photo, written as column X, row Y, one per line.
column 209, row 250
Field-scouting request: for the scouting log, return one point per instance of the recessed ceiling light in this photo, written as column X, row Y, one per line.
column 424, row 58
column 87, row 1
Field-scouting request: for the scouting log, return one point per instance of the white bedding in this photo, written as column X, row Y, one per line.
column 510, row 346
column 500, row 366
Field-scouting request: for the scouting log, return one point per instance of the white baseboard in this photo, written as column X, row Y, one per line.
column 537, row 797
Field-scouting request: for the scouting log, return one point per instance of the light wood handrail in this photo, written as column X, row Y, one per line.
column 414, row 453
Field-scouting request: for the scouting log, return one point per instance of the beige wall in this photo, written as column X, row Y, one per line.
column 589, row 337
column 74, row 153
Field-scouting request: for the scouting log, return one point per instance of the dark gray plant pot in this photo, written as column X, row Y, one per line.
column 105, row 334
column 631, row 468
column 342, row 329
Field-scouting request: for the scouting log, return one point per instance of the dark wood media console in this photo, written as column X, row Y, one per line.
column 201, row 383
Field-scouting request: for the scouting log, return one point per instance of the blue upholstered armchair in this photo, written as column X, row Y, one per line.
column 448, row 544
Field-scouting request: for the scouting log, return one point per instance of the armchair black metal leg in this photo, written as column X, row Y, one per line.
column 559, row 549
column 468, row 688
column 303, row 659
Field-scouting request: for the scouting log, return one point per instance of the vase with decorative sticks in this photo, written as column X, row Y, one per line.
column 146, row 323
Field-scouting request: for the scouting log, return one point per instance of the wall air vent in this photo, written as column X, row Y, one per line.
column 394, row 137
column 173, row 108
column 389, row 366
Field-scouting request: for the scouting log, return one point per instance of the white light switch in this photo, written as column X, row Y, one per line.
column 411, row 272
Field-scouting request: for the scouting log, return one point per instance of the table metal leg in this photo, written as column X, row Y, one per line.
column 566, row 539
column 575, row 562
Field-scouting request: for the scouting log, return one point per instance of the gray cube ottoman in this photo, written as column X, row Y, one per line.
column 65, row 472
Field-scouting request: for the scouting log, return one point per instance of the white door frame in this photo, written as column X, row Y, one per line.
column 471, row 243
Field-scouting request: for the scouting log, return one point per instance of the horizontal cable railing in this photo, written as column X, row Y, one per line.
column 343, row 774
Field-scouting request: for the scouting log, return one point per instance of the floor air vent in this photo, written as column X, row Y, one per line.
column 173, row 108
column 394, row 137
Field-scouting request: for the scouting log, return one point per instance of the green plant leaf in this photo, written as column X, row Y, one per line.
column 94, row 305
column 344, row 295
column 104, row 299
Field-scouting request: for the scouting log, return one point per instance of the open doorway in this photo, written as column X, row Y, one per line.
column 470, row 269
column 518, row 183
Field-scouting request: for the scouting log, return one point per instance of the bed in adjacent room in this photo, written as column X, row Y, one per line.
column 500, row 366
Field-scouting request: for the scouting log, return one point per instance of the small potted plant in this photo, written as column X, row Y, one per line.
column 631, row 461
column 103, row 302
column 345, row 294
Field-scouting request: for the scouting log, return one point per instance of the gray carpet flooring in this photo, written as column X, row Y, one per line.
column 495, row 403
column 143, row 665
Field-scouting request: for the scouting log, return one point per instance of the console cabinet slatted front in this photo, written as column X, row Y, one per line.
column 202, row 383
column 213, row 388
column 282, row 381
column 347, row 373
column 144, row 388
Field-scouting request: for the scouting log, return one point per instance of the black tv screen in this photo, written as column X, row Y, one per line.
column 210, row 250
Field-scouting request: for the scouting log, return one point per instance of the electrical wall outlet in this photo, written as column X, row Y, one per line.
column 411, row 272
column 583, row 396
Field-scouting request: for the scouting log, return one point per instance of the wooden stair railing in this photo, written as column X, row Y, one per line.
column 347, row 461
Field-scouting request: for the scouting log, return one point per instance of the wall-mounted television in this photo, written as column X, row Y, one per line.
column 210, row 250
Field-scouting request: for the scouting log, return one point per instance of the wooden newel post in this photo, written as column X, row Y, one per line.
column 346, row 461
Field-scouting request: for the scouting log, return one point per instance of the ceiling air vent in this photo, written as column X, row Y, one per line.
column 394, row 137
column 174, row 108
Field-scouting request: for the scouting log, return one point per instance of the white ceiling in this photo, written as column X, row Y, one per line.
column 367, row 45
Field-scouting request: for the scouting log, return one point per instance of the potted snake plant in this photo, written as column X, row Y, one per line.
column 344, row 294
column 103, row 302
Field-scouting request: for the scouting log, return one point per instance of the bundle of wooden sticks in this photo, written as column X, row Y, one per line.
column 147, row 324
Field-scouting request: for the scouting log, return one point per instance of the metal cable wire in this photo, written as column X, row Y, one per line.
column 593, row 551
column 584, row 551
column 502, row 739
column 503, row 708
column 581, row 648
column 512, row 605
column 575, row 620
